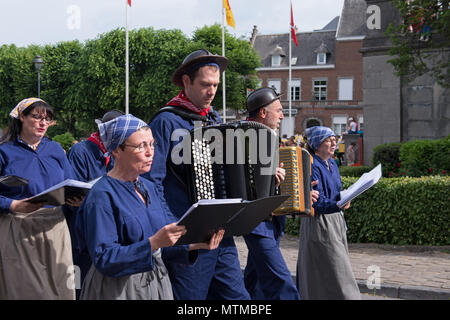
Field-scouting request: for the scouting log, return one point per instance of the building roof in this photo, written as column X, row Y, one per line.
column 332, row 25
column 353, row 19
column 308, row 42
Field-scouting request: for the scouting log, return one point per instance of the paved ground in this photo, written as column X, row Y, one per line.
column 406, row 272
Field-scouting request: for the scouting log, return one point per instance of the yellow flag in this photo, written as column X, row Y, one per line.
column 230, row 18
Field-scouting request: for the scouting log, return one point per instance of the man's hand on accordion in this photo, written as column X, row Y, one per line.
column 280, row 174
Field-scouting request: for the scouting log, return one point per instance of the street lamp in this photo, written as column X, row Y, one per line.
column 38, row 62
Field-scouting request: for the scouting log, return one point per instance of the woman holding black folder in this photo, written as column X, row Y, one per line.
column 123, row 226
column 324, row 270
column 35, row 249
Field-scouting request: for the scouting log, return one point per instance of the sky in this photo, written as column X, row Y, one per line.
column 25, row 22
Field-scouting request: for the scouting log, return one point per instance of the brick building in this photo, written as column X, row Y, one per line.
column 327, row 71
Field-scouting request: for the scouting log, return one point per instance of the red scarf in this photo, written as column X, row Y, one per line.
column 182, row 101
column 95, row 138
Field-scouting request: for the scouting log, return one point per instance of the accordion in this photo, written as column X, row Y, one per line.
column 232, row 160
column 297, row 184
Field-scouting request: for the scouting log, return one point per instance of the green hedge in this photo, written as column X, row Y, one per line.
column 388, row 155
column 65, row 140
column 414, row 158
column 425, row 157
column 398, row 211
column 348, row 171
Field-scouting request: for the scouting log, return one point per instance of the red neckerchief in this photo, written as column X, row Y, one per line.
column 182, row 101
column 95, row 138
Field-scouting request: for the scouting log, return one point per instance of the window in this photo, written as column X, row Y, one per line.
column 275, row 85
column 345, row 89
column 320, row 90
column 295, row 90
column 339, row 124
column 276, row 61
column 321, row 58
column 361, row 123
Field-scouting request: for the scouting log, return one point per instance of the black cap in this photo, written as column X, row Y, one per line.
column 261, row 98
column 198, row 56
column 111, row 114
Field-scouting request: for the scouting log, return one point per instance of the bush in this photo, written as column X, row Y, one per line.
column 425, row 157
column 346, row 171
column 401, row 211
column 388, row 155
column 65, row 140
column 397, row 211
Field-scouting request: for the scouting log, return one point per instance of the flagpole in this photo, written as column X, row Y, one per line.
column 126, row 61
column 223, row 74
column 290, row 75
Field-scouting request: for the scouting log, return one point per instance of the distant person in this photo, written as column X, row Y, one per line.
column 350, row 154
column 324, row 271
column 352, row 127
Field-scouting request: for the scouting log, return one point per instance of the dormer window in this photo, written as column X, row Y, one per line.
column 277, row 54
column 322, row 52
column 276, row 61
column 321, row 58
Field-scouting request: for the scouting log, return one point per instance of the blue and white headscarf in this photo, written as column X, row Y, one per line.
column 114, row 132
column 316, row 135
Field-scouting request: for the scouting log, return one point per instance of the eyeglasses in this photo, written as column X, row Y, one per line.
column 142, row 146
column 39, row 117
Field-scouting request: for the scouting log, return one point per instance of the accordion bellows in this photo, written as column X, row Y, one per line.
column 233, row 160
column 297, row 184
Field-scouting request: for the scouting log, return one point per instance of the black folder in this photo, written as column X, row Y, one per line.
column 13, row 181
column 236, row 216
column 253, row 214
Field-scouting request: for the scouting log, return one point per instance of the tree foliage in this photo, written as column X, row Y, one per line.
column 82, row 81
column 422, row 40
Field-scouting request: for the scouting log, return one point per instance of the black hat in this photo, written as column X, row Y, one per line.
column 108, row 116
column 194, row 58
column 261, row 98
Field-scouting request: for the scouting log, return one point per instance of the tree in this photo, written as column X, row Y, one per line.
column 83, row 81
column 18, row 79
column 422, row 40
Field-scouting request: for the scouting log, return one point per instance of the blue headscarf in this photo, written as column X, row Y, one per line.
column 316, row 135
column 114, row 132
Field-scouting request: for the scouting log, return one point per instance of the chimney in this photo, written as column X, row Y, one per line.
column 253, row 37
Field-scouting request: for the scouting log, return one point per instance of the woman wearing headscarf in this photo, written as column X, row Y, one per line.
column 35, row 249
column 123, row 225
column 324, row 270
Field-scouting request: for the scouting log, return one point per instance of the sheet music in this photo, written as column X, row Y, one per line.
column 57, row 194
column 366, row 181
column 208, row 202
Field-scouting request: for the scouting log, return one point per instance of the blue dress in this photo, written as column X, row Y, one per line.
column 324, row 270
column 115, row 226
column 43, row 168
column 217, row 273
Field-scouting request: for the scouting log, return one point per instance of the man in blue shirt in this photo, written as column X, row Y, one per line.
column 217, row 273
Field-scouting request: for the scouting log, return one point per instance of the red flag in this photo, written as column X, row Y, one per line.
column 129, row 3
column 294, row 37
